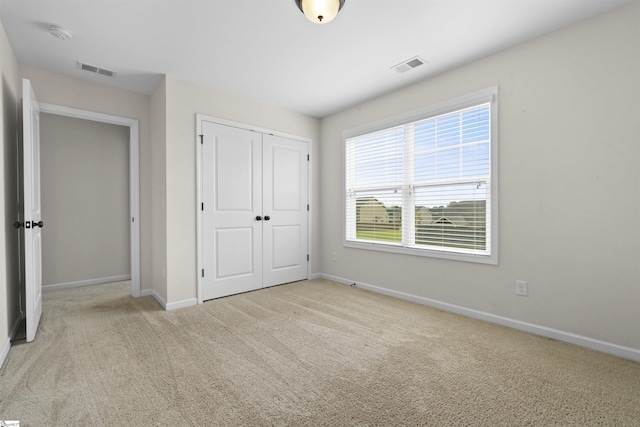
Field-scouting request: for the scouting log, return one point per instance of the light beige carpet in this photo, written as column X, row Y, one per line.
column 303, row 354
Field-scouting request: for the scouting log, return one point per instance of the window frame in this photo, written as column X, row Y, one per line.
column 489, row 95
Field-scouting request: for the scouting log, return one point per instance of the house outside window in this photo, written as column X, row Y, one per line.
column 425, row 183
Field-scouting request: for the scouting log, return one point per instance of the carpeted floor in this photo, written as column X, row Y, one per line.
column 304, row 354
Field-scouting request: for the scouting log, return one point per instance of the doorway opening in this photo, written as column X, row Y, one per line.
column 134, row 193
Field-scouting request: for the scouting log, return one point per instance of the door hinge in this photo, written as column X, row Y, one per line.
column 307, row 207
column 202, row 206
column 307, row 157
column 307, row 257
column 201, row 139
column 203, row 272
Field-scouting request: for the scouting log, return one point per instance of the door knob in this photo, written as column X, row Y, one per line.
column 18, row 224
column 267, row 218
column 32, row 224
column 258, row 218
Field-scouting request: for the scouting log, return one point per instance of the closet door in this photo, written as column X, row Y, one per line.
column 232, row 204
column 285, row 199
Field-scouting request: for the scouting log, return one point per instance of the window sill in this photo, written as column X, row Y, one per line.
column 441, row 254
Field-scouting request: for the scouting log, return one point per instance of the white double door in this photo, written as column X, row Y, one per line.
column 254, row 210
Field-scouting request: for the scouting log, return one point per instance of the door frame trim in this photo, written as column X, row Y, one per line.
column 134, row 175
column 200, row 118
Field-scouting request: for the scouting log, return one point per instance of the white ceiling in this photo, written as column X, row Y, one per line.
column 267, row 50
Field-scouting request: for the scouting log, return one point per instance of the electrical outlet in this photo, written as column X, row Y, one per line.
column 334, row 256
column 522, row 288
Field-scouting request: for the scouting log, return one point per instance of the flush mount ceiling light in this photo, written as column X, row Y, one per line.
column 320, row 11
column 60, row 32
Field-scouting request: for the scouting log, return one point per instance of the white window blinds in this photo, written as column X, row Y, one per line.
column 424, row 185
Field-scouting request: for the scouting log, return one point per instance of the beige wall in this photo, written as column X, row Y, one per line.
column 569, row 109
column 84, row 169
column 57, row 89
column 183, row 101
column 159, row 189
column 10, row 94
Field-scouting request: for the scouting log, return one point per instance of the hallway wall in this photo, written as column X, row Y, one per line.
column 85, row 200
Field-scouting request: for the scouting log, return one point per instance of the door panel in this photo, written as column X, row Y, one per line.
column 234, row 183
column 232, row 197
column 285, row 198
column 32, row 210
column 285, row 252
column 234, row 255
column 286, row 183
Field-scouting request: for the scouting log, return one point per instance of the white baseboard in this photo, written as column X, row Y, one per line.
column 89, row 282
column 146, row 292
column 168, row 306
column 16, row 325
column 154, row 294
column 181, row 304
column 315, row 276
column 568, row 337
column 4, row 351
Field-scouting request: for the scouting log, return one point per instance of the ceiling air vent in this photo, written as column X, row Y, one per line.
column 409, row 64
column 96, row 70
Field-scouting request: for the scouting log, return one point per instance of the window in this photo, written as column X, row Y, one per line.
column 425, row 183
